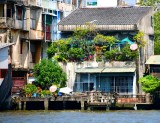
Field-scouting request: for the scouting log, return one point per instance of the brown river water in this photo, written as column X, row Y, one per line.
column 76, row 116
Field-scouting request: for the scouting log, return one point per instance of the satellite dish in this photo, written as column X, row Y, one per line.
column 53, row 88
column 133, row 46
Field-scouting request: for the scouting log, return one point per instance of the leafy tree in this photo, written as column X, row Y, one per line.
column 149, row 2
column 150, row 84
column 156, row 23
column 48, row 72
column 156, row 33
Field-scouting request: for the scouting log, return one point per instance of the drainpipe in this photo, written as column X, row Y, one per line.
column 5, row 10
column 134, row 84
column 115, row 88
column 45, row 27
column 89, row 78
column 77, row 4
column 28, row 53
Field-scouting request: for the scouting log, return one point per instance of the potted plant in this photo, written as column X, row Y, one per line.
column 45, row 93
column 29, row 90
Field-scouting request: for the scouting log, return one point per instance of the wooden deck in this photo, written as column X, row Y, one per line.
column 89, row 100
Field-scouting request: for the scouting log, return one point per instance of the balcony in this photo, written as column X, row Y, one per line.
column 49, row 4
column 36, row 35
column 6, row 22
column 64, row 7
column 25, row 2
column 37, row 3
column 3, row 1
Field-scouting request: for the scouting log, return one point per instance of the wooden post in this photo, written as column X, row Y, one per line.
column 64, row 104
column 46, row 103
column 24, row 105
column 88, row 108
column 82, row 103
column 20, row 105
column 107, row 108
column 135, row 106
column 5, row 10
column 148, row 100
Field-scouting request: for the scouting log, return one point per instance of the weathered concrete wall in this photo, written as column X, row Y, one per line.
column 70, row 68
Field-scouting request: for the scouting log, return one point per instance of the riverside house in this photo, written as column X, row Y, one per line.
column 111, row 76
column 31, row 25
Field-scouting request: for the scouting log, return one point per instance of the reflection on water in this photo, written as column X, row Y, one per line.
column 80, row 117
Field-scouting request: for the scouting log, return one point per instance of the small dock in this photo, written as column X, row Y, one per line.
column 84, row 101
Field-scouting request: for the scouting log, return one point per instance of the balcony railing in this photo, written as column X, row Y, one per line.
column 6, row 22
column 36, row 3
column 36, row 35
column 49, row 4
column 64, row 7
column 25, row 2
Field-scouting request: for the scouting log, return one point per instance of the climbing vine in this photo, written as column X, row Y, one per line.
column 85, row 44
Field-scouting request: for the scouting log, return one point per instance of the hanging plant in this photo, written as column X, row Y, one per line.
column 101, row 39
column 75, row 54
column 52, row 49
column 139, row 38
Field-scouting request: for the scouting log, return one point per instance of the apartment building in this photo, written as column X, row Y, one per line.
column 31, row 25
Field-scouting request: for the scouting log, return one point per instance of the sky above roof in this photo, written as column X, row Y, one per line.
column 130, row 2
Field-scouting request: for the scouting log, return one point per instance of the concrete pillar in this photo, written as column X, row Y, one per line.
column 134, row 85
column 64, row 104
column 82, row 104
column 148, row 99
column 89, row 81
column 5, row 10
column 89, row 108
column 20, row 105
column 107, row 108
column 24, row 105
column 135, row 106
column 46, row 104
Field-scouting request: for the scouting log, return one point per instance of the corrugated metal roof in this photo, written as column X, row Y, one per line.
column 89, row 70
column 3, row 45
column 119, row 70
column 155, row 59
column 105, row 70
column 106, row 16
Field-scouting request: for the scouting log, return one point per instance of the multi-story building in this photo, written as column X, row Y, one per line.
column 30, row 25
column 109, row 75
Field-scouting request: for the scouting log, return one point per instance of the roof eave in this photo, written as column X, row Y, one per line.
column 99, row 27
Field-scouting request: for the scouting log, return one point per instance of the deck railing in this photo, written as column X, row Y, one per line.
column 129, row 99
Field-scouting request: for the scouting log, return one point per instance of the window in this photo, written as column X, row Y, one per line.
column 122, row 84
column 33, row 19
column 33, row 52
column 19, row 13
column 21, row 47
column 3, row 72
column 9, row 12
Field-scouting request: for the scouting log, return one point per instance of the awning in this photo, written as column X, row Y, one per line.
column 118, row 70
column 105, row 70
column 89, row 70
column 155, row 59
